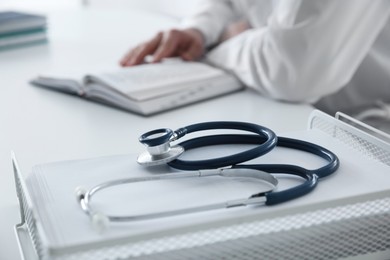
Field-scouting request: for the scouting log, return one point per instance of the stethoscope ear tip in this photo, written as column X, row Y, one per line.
column 80, row 192
column 100, row 222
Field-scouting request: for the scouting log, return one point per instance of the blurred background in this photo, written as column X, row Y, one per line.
column 175, row 8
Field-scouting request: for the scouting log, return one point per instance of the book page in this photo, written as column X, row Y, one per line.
column 152, row 80
column 65, row 79
column 68, row 81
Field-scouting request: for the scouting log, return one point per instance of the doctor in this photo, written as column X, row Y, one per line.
column 334, row 54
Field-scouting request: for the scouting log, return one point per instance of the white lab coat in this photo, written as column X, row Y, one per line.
column 332, row 53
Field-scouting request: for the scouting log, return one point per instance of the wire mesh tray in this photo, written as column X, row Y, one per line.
column 357, row 227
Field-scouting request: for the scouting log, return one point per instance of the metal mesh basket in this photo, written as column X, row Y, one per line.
column 29, row 223
column 374, row 145
column 332, row 233
column 358, row 227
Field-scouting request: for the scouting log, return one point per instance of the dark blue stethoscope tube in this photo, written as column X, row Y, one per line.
column 273, row 198
column 268, row 137
column 311, row 176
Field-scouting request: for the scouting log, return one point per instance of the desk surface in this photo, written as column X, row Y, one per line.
column 42, row 126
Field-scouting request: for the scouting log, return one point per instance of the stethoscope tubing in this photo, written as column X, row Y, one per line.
column 311, row 176
column 268, row 137
column 277, row 197
column 332, row 166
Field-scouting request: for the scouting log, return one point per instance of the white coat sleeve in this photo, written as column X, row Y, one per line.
column 211, row 18
column 309, row 48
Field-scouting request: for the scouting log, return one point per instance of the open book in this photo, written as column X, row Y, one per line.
column 149, row 88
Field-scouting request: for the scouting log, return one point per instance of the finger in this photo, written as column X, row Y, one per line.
column 147, row 49
column 168, row 46
column 138, row 54
column 127, row 60
column 127, row 57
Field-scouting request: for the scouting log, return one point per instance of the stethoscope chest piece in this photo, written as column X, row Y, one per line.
column 159, row 151
column 147, row 159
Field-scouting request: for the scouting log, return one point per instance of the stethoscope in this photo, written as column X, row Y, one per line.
column 161, row 151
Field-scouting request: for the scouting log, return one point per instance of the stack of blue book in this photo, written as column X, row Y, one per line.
column 20, row 29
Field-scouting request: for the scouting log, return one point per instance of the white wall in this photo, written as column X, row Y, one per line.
column 38, row 5
column 176, row 8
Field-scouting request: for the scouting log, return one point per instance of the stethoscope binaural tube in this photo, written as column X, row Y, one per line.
column 160, row 152
column 100, row 221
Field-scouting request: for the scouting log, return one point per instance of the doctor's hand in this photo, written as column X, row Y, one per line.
column 187, row 44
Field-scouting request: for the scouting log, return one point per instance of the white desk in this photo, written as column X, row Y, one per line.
column 42, row 126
